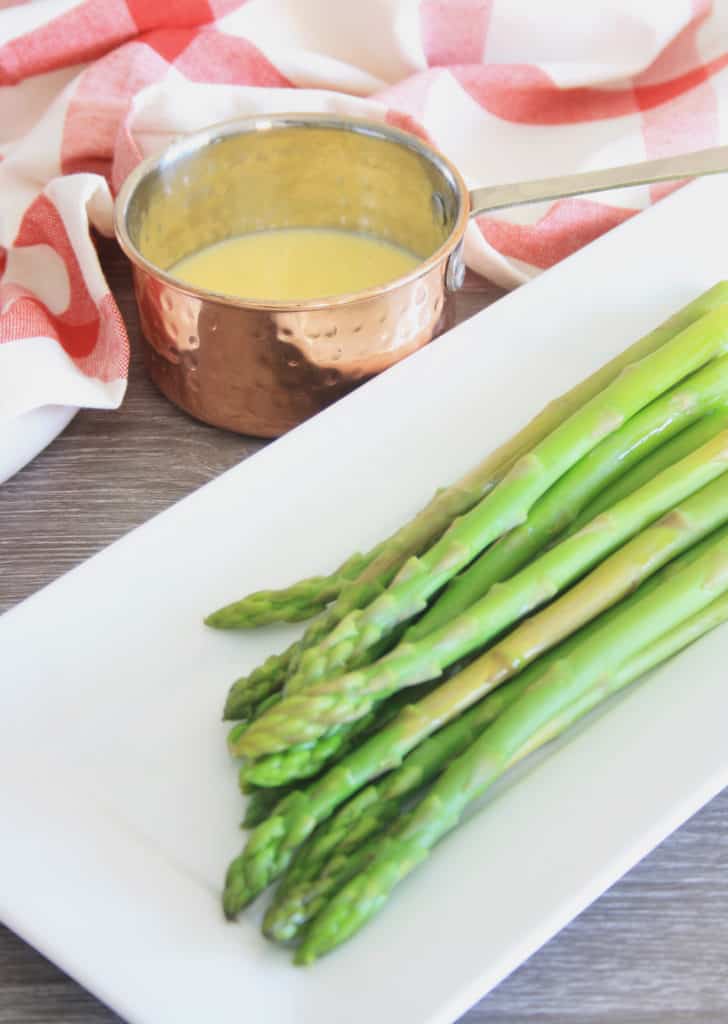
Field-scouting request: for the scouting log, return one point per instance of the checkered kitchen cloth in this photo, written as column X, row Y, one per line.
column 509, row 89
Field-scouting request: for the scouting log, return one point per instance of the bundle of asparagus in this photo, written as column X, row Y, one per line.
column 585, row 551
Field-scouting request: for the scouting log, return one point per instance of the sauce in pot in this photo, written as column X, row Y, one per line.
column 295, row 264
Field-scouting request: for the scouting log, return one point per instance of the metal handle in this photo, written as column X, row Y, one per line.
column 671, row 168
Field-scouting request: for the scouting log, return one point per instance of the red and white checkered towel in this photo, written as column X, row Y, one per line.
column 509, row 89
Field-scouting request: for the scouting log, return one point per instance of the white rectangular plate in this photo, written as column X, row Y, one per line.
column 119, row 805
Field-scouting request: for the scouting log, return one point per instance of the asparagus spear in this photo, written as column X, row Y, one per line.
column 270, row 847
column 666, row 455
column 312, row 712
column 251, row 695
column 302, row 600
column 305, row 760
column 249, row 692
column 261, row 803
column 342, row 846
column 676, row 613
column 551, row 515
column 508, row 504
column 430, row 522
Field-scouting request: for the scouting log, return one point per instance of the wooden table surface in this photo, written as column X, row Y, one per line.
column 653, row 950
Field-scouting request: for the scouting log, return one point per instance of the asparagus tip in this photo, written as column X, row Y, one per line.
column 229, row 906
column 304, row 956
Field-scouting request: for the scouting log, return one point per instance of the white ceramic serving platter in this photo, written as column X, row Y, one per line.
column 118, row 804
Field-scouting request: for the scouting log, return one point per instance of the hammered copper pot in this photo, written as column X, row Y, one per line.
column 261, row 368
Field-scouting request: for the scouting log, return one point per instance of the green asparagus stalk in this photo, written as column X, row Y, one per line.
column 509, row 503
column 687, row 402
column 249, row 692
column 675, row 614
column 300, row 601
column 341, row 846
column 314, row 711
column 260, row 803
column 453, row 501
column 694, row 436
column 280, row 768
column 250, row 696
column 271, row 847
column 304, row 760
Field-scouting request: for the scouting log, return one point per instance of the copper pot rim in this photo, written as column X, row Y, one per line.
column 198, row 140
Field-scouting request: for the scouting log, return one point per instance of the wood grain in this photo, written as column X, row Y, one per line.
column 653, row 950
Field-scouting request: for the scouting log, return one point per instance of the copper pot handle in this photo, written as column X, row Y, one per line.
column 647, row 172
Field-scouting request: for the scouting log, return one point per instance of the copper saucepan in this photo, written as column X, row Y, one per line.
column 262, row 367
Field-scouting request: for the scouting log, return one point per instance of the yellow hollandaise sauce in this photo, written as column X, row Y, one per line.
column 295, row 264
